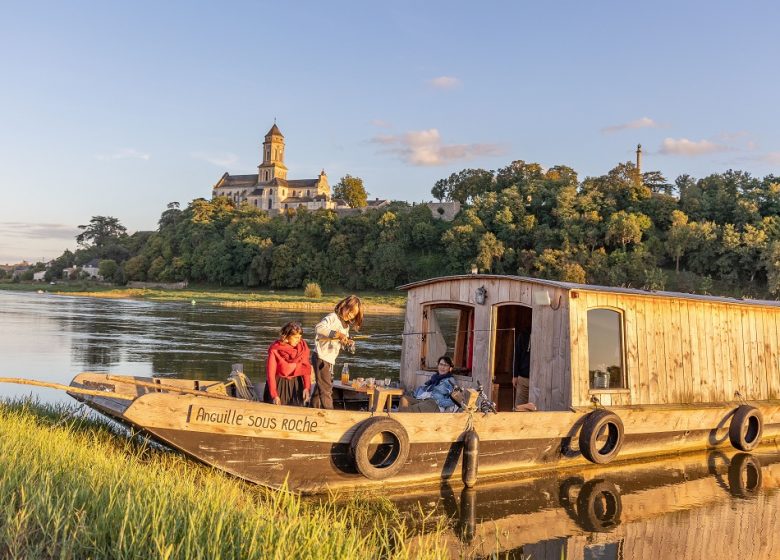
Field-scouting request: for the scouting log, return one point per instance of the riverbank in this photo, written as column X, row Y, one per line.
column 376, row 302
column 75, row 489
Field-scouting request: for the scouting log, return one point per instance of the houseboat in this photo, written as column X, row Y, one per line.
column 616, row 374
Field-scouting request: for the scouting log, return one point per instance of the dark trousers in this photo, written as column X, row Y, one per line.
column 323, row 392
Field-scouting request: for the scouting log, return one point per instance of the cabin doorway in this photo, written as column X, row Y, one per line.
column 510, row 322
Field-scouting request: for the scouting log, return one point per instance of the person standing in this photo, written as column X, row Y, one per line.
column 331, row 334
column 288, row 368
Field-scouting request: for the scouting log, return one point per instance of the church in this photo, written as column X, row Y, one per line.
column 269, row 189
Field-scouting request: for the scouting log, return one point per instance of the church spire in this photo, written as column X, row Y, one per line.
column 273, row 157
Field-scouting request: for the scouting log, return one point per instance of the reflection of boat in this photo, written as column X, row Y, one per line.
column 687, row 507
column 616, row 373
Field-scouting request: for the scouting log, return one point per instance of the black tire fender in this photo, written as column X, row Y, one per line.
column 599, row 506
column 746, row 427
column 745, row 476
column 594, row 424
column 386, row 464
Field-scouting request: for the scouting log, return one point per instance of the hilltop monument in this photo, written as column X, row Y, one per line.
column 269, row 189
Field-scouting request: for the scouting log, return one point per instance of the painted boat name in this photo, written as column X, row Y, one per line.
column 232, row 417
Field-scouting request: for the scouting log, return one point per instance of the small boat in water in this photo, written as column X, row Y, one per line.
column 615, row 373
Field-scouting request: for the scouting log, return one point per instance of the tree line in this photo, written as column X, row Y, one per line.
column 717, row 234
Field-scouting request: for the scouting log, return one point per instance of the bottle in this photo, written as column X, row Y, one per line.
column 345, row 374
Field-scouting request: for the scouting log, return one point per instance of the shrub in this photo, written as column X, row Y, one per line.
column 312, row 290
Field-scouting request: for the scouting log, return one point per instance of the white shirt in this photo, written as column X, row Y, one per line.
column 325, row 344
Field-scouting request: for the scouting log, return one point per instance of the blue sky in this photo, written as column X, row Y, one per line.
column 117, row 108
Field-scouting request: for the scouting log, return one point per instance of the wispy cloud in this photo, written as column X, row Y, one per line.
column 221, row 160
column 444, row 82
column 425, row 147
column 123, row 153
column 38, row 231
column 771, row 157
column 644, row 122
column 685, row 147
column 379, row 123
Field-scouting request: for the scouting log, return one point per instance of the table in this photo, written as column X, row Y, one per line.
column 382, row 396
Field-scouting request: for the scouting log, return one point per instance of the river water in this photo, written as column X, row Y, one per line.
column 708, row 505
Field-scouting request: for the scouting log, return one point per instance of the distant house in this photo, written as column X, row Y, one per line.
column 91, row 269
column 39, row 276
column 19, row 270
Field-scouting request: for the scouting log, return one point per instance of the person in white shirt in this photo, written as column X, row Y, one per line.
column 331, row 334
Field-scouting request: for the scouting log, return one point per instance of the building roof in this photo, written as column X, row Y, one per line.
column 569, row 286
column 228, row 180
column 274, row 132
column 303, row 183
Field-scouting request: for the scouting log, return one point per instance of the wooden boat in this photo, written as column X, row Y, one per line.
column 699, row 505
column 616, row 374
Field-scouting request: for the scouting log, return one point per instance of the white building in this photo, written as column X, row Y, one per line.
column 269, row 189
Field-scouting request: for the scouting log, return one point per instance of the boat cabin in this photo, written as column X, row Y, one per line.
column 614, row 346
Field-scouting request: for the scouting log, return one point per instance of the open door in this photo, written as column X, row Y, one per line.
column 511, row 320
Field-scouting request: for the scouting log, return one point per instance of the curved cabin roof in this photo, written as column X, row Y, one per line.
column 570, row 286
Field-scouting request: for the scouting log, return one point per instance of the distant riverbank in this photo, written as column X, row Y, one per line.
column 376, row 302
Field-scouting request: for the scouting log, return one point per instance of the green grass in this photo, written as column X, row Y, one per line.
column 74, row 488
column 211, row 294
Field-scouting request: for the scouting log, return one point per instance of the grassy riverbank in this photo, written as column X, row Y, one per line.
column 75, row 489
column 376, row 302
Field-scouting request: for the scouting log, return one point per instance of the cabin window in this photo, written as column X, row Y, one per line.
column 448, row 329
column 605, row 349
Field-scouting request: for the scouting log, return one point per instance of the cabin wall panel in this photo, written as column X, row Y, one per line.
column 761, row 351
column 576, row 343
column 774, row 334
column 738, row 375
column 631, row 351
column 687, row 335
column 691, row 354
column 709, row 344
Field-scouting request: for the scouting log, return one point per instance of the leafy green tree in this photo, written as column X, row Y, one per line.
column 107, row 269
column 679, row 238
column 351, row 189
column 627, row 227
column 464, row 185
column 100, row 231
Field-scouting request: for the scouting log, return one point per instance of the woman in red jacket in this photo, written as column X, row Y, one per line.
column 288, row 369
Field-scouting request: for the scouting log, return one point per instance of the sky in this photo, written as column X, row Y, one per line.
column 118, row 108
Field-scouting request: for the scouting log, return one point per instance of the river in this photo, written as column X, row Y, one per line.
column 707, row 505
column 51, row 338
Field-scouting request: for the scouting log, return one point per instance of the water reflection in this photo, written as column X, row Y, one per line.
column 704, row 505
column 54, row 337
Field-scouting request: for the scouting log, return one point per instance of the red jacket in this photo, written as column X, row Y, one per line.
column 287, row 361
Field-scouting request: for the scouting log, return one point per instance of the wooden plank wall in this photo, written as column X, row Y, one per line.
column 683, row 351
column 550, row 366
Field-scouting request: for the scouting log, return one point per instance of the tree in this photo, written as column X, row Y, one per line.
column 100, row 231
column 351, row 189
column 464, row 185
column 679, row 238
column 627, row 227
column 107, row 269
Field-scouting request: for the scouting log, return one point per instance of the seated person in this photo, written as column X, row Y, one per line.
column 434, row 395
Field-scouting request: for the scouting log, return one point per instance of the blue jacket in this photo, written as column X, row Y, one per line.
column 439, row 392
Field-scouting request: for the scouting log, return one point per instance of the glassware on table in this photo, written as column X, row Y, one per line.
column 387, row 382
column 345, row 374
column 370, row 382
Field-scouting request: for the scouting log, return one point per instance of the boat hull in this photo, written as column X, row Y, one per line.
column 309, row 449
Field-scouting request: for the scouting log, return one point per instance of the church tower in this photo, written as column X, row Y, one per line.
column 273, row 166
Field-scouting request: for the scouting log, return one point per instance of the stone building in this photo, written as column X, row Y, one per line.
column 270, row 189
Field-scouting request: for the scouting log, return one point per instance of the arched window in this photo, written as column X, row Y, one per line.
column 606, row 369
column 270, row 202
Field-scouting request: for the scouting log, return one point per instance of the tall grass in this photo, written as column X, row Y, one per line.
column 73, row 487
